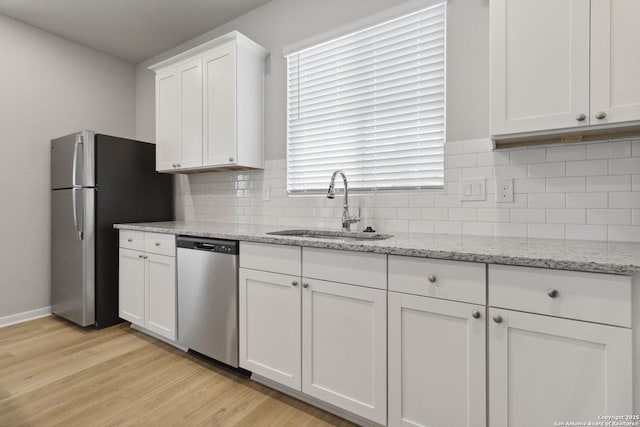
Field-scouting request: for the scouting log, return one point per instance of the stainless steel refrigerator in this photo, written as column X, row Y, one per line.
column 97, row 181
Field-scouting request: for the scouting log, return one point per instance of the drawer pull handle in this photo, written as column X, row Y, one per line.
column 553, row 293
column 475, row 314
column 497, row 318
column 157, row 244
column 431, row 278
column 305, row 285
column 294, row 283
column 129, row 240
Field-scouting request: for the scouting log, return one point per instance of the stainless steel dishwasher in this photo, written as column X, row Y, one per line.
column 208, row 297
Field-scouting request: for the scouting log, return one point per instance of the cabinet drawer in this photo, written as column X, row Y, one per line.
column 356, row 268
column 159, row 243
column 453, row 280
column 133, row 240
column 284, row 259
column 602, row 298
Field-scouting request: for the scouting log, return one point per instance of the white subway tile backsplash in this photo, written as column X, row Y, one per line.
column 566, row 153
column 531, row 155
column 624, row 166
column 576, row 191
column 586, row 200
column 504, row 229
column 624, row 200
column 544, row 170
column 447, row 227
column 609, row 216
column 546, row 231
column 477, row 229
column 463, row 214
column 566, row 185
column 434, row 214
column 609, row 150
column 566, row 216
column 547, row 200
column 529, row 185
column 623, row 233
column 586, row 232
column 609, row 183
column 528, row 215
column 493, row 215
column 587, row 168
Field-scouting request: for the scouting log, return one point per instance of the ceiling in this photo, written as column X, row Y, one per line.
column 133, row 30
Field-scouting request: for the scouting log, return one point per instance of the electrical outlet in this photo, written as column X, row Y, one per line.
column 504, row 190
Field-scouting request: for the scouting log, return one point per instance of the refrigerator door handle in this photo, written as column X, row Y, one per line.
column 77, row 224
column 74, row 171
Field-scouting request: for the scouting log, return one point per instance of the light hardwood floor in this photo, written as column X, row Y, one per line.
column 55, row 374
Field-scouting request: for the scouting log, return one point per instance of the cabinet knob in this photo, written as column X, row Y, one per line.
column 231, row 159
column 497, row 318
column 475, row 314
column 178, row 165
column 431, row 278
column 140, row 256
column 173, row 165
column 157, row 244
column 294, row 283
column 581, row 117
column 305, row 285
column 129, row 240
column 601, row 115
column 553, row 293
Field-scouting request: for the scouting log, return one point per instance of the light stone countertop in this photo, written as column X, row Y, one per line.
column 589, row 256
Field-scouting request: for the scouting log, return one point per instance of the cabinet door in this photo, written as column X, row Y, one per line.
column 269, row 310
column 160, row 284
column 167, row 120
column 539, row 64
column 437, row 356
column 220, row 106
column 344, row 345
column 615, row 60
column 131, row 286
column 546, row 369
column 190, row 114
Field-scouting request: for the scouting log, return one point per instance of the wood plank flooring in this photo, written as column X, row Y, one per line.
column 53, row 373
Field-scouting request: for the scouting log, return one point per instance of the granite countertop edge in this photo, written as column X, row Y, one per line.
column 585, row 256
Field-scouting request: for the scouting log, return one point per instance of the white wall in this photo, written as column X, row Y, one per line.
column 49, row 87
column 580, row 191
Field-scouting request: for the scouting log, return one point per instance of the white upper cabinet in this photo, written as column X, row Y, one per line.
column 615, row 61
column 209, row 106
column 560, row 66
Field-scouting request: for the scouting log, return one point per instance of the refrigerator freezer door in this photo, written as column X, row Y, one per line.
column 73, row 254
column 72, row 161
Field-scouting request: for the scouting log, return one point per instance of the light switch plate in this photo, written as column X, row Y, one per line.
column 473, row 189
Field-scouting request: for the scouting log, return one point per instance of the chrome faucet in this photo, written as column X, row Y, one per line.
column 347, row 218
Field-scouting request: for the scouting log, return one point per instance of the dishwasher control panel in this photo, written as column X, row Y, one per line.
column 204, row 244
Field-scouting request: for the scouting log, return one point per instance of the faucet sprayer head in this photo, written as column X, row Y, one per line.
column 331, row 194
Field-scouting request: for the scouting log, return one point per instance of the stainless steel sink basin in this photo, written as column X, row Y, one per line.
column 333, row 235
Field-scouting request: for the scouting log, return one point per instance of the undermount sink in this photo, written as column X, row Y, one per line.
column 334, row 235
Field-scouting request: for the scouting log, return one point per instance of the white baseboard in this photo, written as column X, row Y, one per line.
column 14, row 319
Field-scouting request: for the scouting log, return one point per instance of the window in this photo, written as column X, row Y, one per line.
column 371, row 103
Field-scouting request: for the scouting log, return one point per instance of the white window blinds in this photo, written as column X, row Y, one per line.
column 371, row 103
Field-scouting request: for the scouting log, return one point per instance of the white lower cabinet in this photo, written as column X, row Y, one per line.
column 437, row 362
column 270, row 340
column 147, row 285
column 325, row 339
column 344, row 346
column 546, row 369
